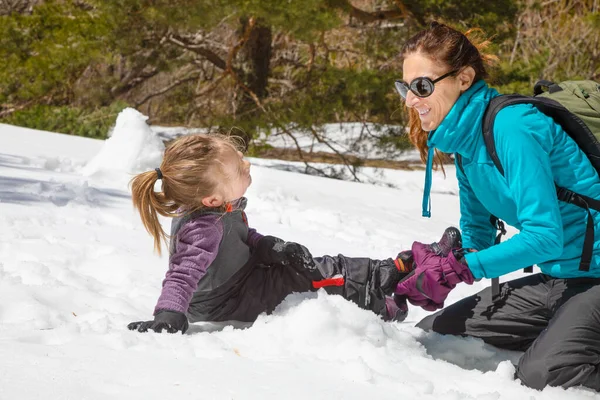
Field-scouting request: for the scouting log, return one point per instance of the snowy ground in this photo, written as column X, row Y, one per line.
column 355, row 139
column 76, row 266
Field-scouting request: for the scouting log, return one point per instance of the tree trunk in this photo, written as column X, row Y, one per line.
column 254, row 66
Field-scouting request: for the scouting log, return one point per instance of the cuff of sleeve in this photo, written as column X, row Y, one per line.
column 474, row 265
column 166, row 305
column 253, row 242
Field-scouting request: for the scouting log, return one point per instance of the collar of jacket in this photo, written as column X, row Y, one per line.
column 239, row 204
column 458, row 132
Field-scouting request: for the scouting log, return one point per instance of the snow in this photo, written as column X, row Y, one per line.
column 131, row 147
column 76, row 266
column 355, row 139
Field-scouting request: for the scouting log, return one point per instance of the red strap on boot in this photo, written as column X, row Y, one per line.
column 337, row 280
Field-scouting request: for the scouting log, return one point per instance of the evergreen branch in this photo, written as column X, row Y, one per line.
column 383, row 15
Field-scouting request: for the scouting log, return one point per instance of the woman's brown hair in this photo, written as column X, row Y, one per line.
column 456, row 50
column 191, row 169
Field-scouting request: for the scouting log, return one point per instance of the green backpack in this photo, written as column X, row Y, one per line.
column 575, row 105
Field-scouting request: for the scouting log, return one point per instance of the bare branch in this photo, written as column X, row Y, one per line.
column 198, row 49
column 311, row 60
column 18, row 6
column 168, row 88
column 348, row 165
column 211, row 86
column 307, row 166
column 10, row 108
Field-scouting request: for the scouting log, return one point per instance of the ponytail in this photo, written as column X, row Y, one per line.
column 149, row 204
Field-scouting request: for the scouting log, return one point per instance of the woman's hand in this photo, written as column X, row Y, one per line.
column 434, row 277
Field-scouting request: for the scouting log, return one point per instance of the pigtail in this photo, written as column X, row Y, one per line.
column 149, row 204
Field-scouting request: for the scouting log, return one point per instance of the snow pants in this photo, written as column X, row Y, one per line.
column 556, row 322
column 260, row 288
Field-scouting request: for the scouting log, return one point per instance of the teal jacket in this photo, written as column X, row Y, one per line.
column 535, row 153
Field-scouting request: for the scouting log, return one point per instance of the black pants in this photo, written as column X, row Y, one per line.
column 366, row 282
column 555, row 321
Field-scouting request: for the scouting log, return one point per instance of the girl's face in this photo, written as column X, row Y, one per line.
column 434, row 108
column 238, row 179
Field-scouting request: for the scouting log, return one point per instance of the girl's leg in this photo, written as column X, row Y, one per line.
column 512, row 322
column 363, row 281
column 264, row 290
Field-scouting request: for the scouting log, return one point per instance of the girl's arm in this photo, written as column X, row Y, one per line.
column 196, row 247
column 253, row 235
column 253, row 238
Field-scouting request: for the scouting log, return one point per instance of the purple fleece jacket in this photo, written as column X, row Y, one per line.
column 198, row 244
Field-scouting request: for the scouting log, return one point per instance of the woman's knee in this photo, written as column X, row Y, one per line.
column 539, row 373
column 427, row 323
column 533, row 372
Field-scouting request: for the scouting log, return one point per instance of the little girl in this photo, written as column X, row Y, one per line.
column 220, row 269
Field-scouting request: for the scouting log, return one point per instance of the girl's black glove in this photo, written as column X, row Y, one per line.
column 270, row 251
column 170, row 321
column 273, row 251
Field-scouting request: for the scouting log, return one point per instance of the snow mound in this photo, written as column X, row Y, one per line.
column 132, row 147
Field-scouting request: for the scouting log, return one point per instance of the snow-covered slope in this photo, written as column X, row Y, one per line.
column 76, row 266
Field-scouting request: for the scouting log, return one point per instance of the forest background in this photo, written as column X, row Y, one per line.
column 262, row 66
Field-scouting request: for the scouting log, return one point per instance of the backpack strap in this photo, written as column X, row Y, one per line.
column 499, row 225
column 586, row 203
column 551, row 86
column 493, row 108
column 458, row 159
column 569, row 122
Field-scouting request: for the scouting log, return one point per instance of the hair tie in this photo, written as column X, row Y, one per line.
column 158, row 173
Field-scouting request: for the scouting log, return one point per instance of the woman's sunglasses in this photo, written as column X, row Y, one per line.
column 421, row 87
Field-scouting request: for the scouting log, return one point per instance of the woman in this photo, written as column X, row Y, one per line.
column 553, row 316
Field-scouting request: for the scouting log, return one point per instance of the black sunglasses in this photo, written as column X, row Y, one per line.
column 421, row 87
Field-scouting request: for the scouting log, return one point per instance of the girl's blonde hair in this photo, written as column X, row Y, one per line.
column 191, row 169
column 454, row 49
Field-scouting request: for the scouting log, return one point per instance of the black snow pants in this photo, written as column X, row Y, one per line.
column 555, row 321
column 261, row 288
